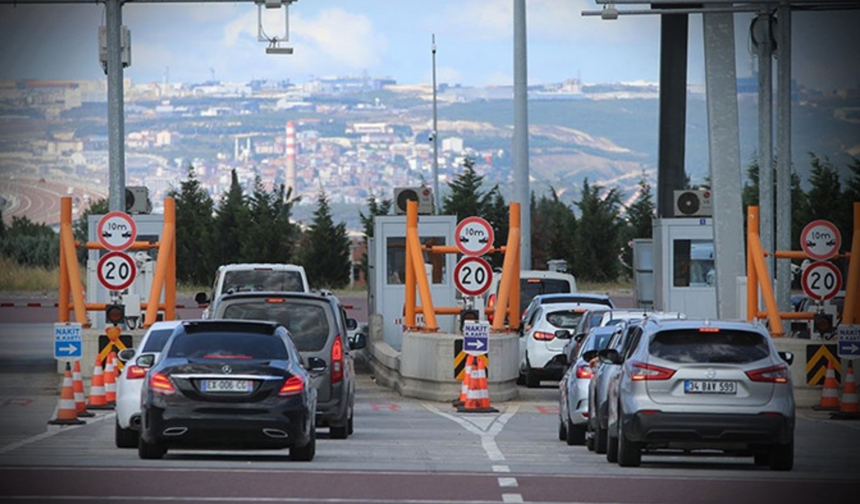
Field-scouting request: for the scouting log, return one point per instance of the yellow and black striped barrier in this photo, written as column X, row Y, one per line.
column 460, row 360
column 817, row 357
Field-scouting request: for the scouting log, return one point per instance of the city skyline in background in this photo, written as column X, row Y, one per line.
column 198, row 42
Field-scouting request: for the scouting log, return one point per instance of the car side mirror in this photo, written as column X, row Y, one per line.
column 788, row 357
column 201, row 298
column 351, row 324
column 562, row 334
column 145, row 361
column 579, row 337
column 125, row 355
column 316, row 365
column 358, row 341
column 590, row 354
column 611, row 355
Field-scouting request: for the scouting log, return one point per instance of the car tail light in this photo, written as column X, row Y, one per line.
column 642, row 371
column 491, row 303
column 709, row 329
column 134, row 372
column 584, row 371
column 773, row 374
column 161, row 384
column 337, row 360
column 543, row 336
column 292, row 386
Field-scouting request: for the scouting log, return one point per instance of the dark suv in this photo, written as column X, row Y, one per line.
column 319, row 327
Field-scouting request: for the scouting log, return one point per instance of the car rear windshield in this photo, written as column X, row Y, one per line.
column 307, row 322
column 213, row 345
column 597, row 341
column 156, row 340
column 262, row 280
column 695, row 346
column 566, row 319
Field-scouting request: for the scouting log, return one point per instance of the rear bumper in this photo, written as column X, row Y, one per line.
column 705, row 429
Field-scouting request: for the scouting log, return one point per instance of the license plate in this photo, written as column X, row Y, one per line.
column 710, row 387
column 226, row 386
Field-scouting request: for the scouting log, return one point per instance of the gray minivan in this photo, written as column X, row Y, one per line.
column 319, row 327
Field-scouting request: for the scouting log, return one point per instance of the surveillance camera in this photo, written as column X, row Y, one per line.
column 431, row 137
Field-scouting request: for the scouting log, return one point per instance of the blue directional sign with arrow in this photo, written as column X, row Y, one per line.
column 476, row 337
column 68, row 343
column 849, row 341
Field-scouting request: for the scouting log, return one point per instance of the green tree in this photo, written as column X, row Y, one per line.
column 325, row 248
column 269, row 235
column 639, row 220
column 195, row 259
column 231, row 219
column 374, row 208
column 553, row 226
column 851, row 196
column 498, row 215
column 81, row 226
column 465, row 197
column 598, row 232
column 825, row 195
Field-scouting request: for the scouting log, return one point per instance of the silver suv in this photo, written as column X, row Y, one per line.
column 704, row 384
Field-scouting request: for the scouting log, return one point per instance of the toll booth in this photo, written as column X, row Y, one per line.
column 684, row 267
column 387, row 271
column 149, row 228
column 643, row 273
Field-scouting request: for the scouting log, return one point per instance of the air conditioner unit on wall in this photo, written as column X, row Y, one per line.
column 137, row 200
column 693, row 203
column 423, row 195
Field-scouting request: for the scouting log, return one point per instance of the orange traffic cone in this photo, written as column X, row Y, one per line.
column 66, row 413
column 110, row 379
column 478, row 396
column 467, row 375
column 830, row 392
column 848, row 408
column 78, row 388
column 97, row 389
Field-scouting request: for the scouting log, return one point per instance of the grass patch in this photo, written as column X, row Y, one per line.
column 15, row 277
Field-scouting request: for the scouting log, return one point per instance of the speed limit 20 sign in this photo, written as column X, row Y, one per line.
column 472, row 276
column 116, row 271
column 821, row 280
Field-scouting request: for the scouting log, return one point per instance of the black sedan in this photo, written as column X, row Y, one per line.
column 228, row 384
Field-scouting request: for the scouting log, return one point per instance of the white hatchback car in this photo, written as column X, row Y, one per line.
column 546, row 332
column 130, row 382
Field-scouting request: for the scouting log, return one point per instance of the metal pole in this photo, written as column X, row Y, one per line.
column 520, row 146
column 761, row 30
column 116, row 128
column 436, row 196
column 783, row 156
column 724, row 154
column 673, row 111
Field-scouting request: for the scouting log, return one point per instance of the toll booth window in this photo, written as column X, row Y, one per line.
column 434, row 264
column 693, row 263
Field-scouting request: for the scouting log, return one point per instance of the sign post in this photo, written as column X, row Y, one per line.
column 821, row 280
column 474, row 236
column 476, row 337
column 68, row 342
column 117, row 231
column 472, row 276
column 116, row 271
column 820, row 239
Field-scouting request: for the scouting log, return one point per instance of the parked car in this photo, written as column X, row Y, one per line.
column 572, row 297
column 319, row 327
column 573, row 387
column 704, row 385
column 130, row 382
column 532, row 283
column 253, row 277
column 548, row 330
column 228, row 384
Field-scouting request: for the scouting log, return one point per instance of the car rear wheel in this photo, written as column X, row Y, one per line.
column 532, row 380
column 351, row 425
column 562, row 429
column 589, row 438
column 600, row 440
column 305, row 453
column 339, row 432
column 629, row 452
column 782, row 456
column 150, row 451
column 125, row 438
column 575, row 434
column 611, row 448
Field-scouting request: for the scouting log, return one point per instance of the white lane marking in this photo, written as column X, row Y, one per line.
column 53, row 430
column 492, row 426
column 512, row 498
column 162, row 498
column 501, row 469
column 508, row 482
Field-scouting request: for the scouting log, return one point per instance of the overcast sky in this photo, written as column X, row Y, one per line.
column 392, row 38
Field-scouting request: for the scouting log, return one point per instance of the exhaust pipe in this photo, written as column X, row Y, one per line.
column 175, row 431
column 275, row 433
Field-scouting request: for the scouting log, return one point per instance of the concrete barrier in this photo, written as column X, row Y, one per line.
column 804, row 395
column 424, row 368
column 90, row 348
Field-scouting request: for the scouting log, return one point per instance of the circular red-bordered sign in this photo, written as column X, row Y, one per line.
column 472, row 276
column 821, row 280
column 117, row 231
column 474, row 236
column 820, row 239
column 116, row 271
